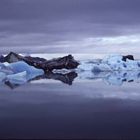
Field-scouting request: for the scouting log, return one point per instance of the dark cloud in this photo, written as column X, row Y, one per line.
column 62, row 20
column 94, row 10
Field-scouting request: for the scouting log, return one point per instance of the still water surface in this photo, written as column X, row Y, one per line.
column 85, row 109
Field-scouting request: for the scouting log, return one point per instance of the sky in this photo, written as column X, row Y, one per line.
column 70, row 26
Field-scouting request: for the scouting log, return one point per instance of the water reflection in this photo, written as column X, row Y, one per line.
column 117, row 78
column 112, row 78
column 67, row 78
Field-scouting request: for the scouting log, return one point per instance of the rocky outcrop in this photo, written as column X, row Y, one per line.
column 2, row 59
column 67, row 62
column 130, row 57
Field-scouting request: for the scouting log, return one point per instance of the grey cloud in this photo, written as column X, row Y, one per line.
column 46, row 22
column 94, row 10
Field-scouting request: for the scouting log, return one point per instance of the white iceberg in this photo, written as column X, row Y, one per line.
column 110, row 63
column 112, row 69
column 112, row 59
column 116, row 63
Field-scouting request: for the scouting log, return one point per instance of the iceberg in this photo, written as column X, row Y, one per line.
column 116, row 62
column 110, row 63
column 112, row 69
column 67, row 62
column 5, row 69
column 112, row 59
column 18, row 72
column 2, row 77
column 21, row 66
column 19, row 78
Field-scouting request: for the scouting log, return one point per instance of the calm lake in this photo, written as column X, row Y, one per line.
column 89, row 108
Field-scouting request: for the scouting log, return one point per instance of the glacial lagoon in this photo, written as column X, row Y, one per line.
column 72, row 105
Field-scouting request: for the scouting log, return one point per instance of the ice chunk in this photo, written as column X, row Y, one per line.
column 22, row 66
column 31, row 71
column 2, row 76
column 85, row 66
column 5, row 69
column 112, row 69
column 6, row 63
column 110, row 63
column 19, row 78
column 18, row 72
column 101, row 67
column 112, row 59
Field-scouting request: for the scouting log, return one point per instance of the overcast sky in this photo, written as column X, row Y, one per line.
column 70, row 26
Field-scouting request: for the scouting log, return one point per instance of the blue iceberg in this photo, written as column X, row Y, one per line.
column 31, row 72
column 18, row 72
column 112, row 69
column 110, row 63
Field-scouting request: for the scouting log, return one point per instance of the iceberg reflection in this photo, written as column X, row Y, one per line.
column 113, row 77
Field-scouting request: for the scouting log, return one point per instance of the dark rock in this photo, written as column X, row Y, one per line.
column 2, row 58
column 13, row 57
column 131, row 81
column 130, row 57
column 67, row 62
column 35, row 59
